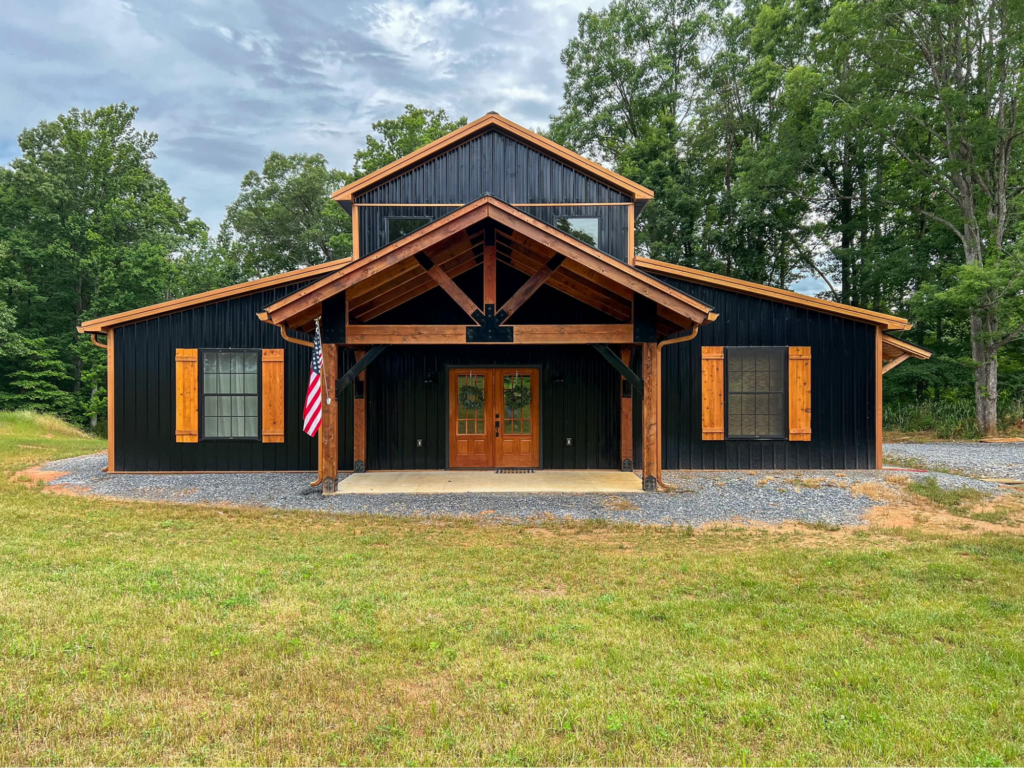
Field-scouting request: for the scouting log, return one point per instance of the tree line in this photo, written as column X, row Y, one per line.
column 874, row 145
column 88, row 229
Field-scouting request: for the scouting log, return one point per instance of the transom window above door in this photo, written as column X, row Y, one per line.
column 230, row 397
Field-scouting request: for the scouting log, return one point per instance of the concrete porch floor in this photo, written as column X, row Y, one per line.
column 489, row 481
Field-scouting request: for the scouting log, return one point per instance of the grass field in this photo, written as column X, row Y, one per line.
column 151, row 633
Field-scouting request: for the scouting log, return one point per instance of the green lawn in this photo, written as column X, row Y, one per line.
column 152, row 633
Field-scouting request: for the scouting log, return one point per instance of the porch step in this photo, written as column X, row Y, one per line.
column 468, row 481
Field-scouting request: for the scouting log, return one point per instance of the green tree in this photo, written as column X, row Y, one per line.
column 685, row 98
column 401, row 135
column 631, row 86
column 38, row 380
column 947, row 86
column 284, row 217
column 89, row 229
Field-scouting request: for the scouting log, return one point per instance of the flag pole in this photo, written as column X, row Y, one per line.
column 320, row 432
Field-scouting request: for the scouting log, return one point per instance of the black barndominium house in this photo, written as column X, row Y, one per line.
column 494, row 314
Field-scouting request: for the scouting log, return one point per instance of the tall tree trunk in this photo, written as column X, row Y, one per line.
column 984, row 326
column 986, row 381
column 728, row 202
column 76, row 358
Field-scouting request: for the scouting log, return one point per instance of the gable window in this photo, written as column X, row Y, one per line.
column 583, row 229
column 230, row 400
column 400, row 226
column 755, row 403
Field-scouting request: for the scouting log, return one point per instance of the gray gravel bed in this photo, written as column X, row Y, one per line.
column 700, row 497
column 998, row 460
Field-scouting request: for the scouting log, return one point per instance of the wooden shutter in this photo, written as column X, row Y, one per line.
column 712, row 376
column 273, row 395
column 186, row 383
column 800, row 393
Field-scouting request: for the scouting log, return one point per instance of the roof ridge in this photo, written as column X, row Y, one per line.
column 493, row 119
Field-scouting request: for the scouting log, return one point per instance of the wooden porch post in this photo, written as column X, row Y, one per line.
column 878, row 397
column 329, row 422
column 110, row 401
column 652, row 393
column 626, row 418
column 490, row 269
column 359, row 420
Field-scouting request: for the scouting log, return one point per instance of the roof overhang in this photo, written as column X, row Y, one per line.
column 103, row 324
column 493, row 121
column 896, row 351
column 453, row 244
column 700, row 277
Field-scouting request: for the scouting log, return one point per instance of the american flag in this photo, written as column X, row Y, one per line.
column 311, row 410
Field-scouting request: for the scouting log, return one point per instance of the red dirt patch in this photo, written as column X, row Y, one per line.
column 35, row 475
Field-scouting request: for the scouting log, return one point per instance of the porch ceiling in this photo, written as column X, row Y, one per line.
column 438, row 253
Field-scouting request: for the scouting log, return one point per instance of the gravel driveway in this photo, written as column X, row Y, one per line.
column 701, row 497
column 999, row 460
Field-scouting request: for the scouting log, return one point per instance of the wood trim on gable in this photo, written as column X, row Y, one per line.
column 299, row 307
column 494, row 120
column 101, row 324
column 889, row 322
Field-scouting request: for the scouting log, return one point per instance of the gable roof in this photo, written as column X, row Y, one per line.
column 101, row 324
column 888, row 322
column 301, row 302
column 492, row 120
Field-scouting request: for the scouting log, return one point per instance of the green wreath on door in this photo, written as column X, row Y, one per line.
column 471, row 397
column 519, row 395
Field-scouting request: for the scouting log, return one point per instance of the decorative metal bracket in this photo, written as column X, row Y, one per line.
column 489, row 328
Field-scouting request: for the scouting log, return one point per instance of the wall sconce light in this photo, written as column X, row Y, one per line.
column 558, row 379
column 429, row 378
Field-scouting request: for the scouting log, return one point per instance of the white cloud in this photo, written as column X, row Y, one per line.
column 224, row 84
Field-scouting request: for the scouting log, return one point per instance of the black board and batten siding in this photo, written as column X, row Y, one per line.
column 496, row 164
column 407, row 393
column 144, row 392
column 407, row 400
column 842, row 387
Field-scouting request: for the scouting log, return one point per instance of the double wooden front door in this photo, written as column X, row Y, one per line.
column 493, row 417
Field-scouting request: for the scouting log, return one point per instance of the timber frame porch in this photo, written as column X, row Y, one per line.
column 356, row 307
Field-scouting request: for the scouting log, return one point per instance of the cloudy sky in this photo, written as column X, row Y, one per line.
column 225, row 82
